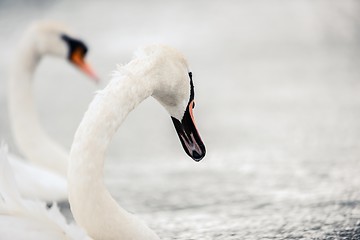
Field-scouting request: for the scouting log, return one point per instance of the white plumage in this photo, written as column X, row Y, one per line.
column 43, row 174
column 22, row 219
column 36, row 182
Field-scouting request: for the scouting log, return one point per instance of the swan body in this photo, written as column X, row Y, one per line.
column 22, row 219
column 36, row 182
column 42, row 38
column 157, row 71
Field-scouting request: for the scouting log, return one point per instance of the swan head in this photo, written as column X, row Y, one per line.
column 51, row 38
column 186, row 128
column 174, row 90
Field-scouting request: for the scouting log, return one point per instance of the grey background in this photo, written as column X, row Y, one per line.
column 277, row 105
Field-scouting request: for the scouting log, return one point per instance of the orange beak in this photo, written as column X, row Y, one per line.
column 78, row 59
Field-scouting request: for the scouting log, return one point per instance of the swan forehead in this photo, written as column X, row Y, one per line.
column 47, row 35
column 50, row 27
column 159, row 51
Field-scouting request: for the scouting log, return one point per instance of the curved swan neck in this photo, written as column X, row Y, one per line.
column 27, row 130
column 92, row 206
column 20, row 98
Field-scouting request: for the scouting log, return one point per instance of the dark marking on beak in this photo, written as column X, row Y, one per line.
column 76, row 55
column 189, row 135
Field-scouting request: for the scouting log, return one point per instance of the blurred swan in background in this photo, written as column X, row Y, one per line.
column 44, row 175
column 22, row 219
column 158, row 71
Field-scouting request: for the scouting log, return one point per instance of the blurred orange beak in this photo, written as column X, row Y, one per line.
column 78, row 59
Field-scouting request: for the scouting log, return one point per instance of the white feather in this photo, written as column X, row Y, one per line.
column 22, row 219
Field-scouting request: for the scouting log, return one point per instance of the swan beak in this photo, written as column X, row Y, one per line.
column 77, row 58
column 189, row 135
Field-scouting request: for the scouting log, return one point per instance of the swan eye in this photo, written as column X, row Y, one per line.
column 193, row 105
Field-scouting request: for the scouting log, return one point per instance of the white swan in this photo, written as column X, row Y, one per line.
column 42, row 38
column 157, row 71
column 27, row 219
